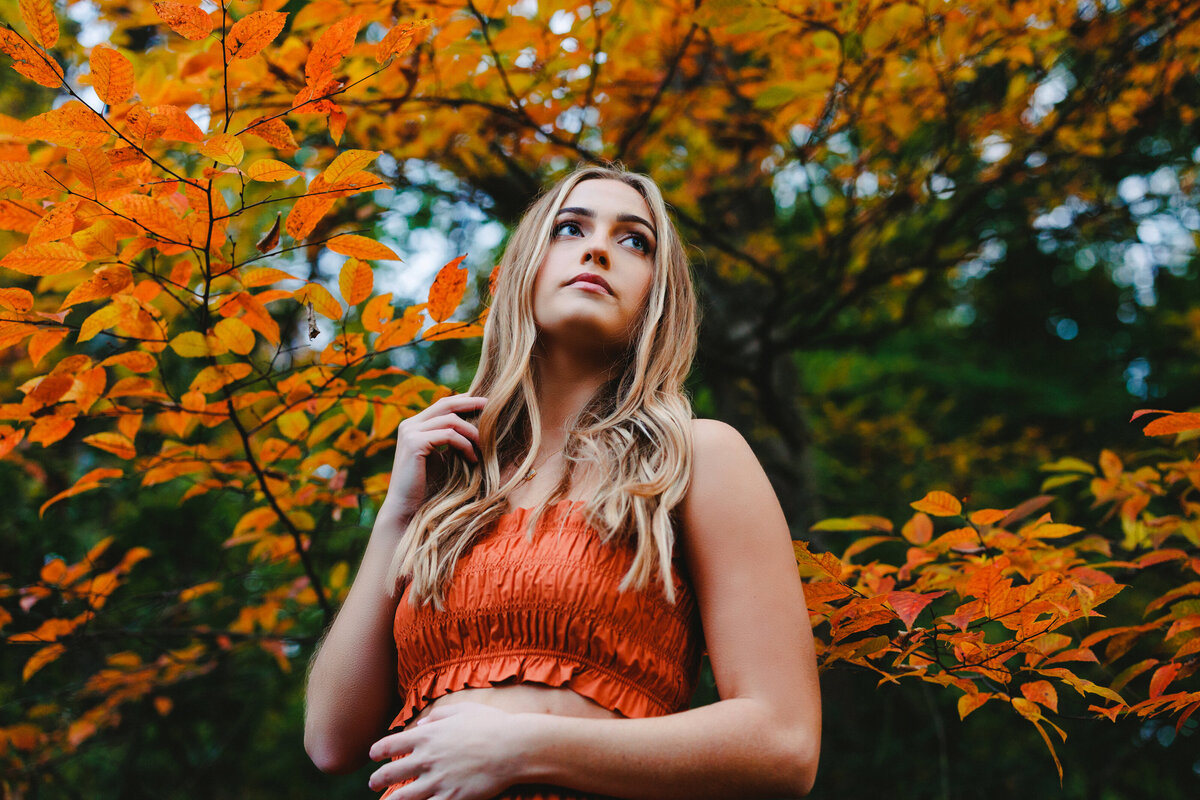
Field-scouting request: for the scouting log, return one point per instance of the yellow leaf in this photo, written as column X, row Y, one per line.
column 268, row 169
column 355, row 281
column 361, row 247
column 250, row 34
column 191, row 344
column 211, row 379
column 348, row 163
column 235, row 334
column 114, row 443
column 40, row 20
column 323, row 302
column 224, row 148
column 112, row 75
column 188, row 21
column 938, row 504
column 1052, row 530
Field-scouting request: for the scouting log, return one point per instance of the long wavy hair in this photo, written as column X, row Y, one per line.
column 635, row 432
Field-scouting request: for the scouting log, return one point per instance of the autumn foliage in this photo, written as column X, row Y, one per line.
column 159, row 294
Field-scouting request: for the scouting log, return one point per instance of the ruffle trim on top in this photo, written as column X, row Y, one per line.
column 549, row 668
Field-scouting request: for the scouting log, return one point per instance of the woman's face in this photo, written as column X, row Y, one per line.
column 591, row 288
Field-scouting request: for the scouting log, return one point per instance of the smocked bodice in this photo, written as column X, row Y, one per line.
column 548, row 611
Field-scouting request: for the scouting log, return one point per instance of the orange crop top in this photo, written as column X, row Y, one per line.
column 548, row 611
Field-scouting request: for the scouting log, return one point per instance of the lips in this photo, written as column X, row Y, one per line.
column 592, row 278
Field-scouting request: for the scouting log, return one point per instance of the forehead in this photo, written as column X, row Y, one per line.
column 607, row 196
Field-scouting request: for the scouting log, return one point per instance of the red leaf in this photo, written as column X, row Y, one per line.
column 908, row 605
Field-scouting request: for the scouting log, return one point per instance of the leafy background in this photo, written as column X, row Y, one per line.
column 941, row 247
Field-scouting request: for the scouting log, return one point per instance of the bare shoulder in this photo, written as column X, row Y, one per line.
column 726, row 479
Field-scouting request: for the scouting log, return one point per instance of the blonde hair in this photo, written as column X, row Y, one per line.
column 636, row 431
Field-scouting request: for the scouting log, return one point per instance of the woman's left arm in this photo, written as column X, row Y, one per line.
column 761, row 739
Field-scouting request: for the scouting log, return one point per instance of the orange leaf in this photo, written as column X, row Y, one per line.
column 179, row 126
column 40, row 20
column 1162, row 678
column 200, row 589
column 399, row 40
column 348, row 163
column 72, row 124
column 323, row 302
column 19, row 300
column 114, row 443
column 908, row 605
column 308, row 210
column 452, row 330
column 987, row 516
column 57, row 223
column 265, row 276
column 250, row 34
column 447, row 290
column 44, row 655
column 1173, row 423
column 134, row 360
column 49, row 258
column 330, row 48
column 355, row 281
column 274, row 132
column 112, row 75
column 938, row 504
column 224, row 148
column 34, row 65
column 9, row 438
column 1041, row 692
column 105, row 282
column 188, row 21
column 919, row 529
column 361, row 247
column 375, row 314
column 48, row 430
column 87, row 482
column 403, row 330
column 90, row 166
column 1051, row 530
column 268, row 169
column 43, row 342
column 969, row 702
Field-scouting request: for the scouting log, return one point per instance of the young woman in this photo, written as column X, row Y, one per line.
column 558, row 545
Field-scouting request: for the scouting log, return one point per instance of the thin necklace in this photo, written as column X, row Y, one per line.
column 533, row 470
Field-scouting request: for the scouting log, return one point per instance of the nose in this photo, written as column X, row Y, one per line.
column 599, row 255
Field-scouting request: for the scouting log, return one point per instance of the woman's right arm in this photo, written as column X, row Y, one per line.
column 351, row 680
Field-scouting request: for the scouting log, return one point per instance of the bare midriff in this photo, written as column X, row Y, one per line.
column 525, row 698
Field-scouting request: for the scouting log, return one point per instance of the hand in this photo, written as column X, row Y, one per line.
column 417, row 436
column 463, row 751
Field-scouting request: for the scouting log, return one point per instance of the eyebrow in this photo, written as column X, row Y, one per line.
column 587, row 212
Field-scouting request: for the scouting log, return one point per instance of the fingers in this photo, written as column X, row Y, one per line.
column 454, row 404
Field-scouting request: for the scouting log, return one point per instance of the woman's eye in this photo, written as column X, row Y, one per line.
column 640, row 242
column 567, row 229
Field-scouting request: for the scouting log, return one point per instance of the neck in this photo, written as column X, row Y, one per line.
column 566, row 383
